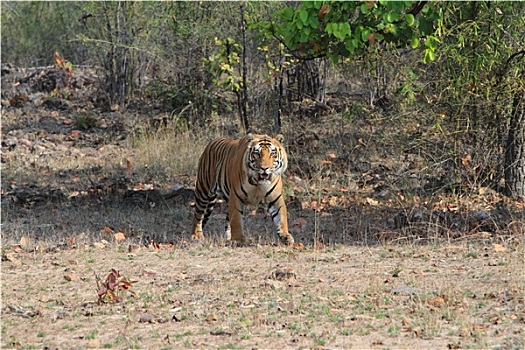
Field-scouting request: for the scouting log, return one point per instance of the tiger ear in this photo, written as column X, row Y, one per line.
column 279, row 137
column 249, row 136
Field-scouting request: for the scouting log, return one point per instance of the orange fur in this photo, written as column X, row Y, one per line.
column 247, row 171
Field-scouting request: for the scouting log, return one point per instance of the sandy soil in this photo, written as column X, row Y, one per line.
column 203, row 296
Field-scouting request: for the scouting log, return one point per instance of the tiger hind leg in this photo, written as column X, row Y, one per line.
column 203, row 209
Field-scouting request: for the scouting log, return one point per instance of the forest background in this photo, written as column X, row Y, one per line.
column 404, row 122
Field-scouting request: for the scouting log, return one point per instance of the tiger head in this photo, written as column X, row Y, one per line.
column 265, row 158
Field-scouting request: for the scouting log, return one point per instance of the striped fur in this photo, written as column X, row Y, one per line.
column 243, row 172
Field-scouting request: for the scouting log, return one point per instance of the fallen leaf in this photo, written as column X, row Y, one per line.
column 323, row 11
column 71, row 277
column 73, row 194
column 372, row 38
column 299, row 223
column 467, row 159
column 437, row 301
column 106, row 230
column 221, row 332
column 147, row 273
column 211, row 318
column 127, row 165
column 287, row 306
column 44, row 299
column 282, row 275
column 276, row 285
column 495, row 320
column 134, row 248
column 372, row 201
column 73, row 135
column 298, row 246
column 499, row 247
column 23, row 242
column 155, row 246
column 10, row 256
column 479, row 327
column 99, row 245
column 119, row 237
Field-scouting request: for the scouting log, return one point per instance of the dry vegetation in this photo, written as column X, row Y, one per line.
column 401, row 243
column 209, row 296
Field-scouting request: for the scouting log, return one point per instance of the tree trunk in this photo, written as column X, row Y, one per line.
column 243, row 97
column 515, row 150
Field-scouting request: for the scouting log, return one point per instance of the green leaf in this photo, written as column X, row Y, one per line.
column 314, row 22
column 304, row 37
column 288, row 13
column 429, row 56
column 329, row 29
column 414, row 42
column 364, row 34
column 350, row 45
column 431, row 42
column 338, row 34
column 303, row 15
column 307, row 30
column 355, row 43
column 345, row 29
column 393, row 16
column 409, row 18
column 308, row 4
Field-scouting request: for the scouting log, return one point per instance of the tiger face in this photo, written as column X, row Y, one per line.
column 265, row 158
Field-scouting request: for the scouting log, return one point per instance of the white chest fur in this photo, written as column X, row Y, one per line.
column 257, row 193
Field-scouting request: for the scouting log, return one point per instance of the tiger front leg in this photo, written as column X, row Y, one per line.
column 235, row 213
column 197, row 230
column 277, row 210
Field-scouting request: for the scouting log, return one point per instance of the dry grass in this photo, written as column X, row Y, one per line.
column 201, row 296
column 170, row 151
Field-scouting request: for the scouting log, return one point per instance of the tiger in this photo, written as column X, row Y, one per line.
column 244, row 171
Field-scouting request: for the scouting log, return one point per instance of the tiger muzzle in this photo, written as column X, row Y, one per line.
column 265, row 174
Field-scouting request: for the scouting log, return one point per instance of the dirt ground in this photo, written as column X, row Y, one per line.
column 452, row 296
column 391, row 253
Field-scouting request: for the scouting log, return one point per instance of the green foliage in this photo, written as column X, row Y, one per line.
column 477, row 84
column 223, row 63
column 84, row 122
column 32, row 31
column 344, row 29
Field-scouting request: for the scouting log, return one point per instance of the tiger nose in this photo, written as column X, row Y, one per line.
column 265, row 168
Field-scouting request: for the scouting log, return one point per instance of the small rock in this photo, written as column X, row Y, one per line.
column 283, row 274
column 25, row 143
column 211, row 318
column 146, row 318
column 272, row 284
column 71, row 277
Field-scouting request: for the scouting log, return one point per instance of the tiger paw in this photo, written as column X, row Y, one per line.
column 287, row 239
column 197, row 236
